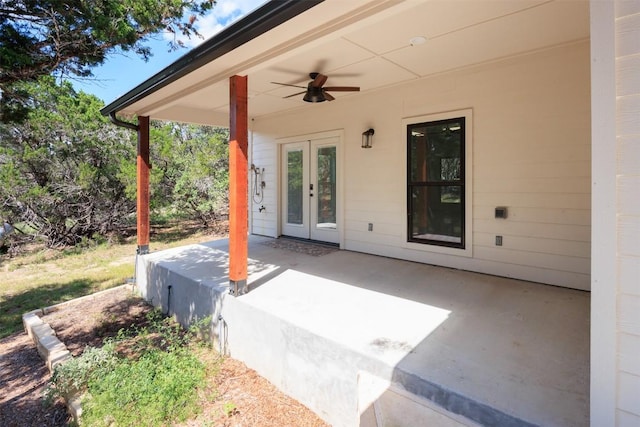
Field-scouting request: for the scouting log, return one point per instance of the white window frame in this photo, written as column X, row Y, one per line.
column 467, row 251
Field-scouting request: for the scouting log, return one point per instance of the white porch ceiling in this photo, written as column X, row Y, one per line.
column 366, row 43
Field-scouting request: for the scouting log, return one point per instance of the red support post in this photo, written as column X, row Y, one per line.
column 143, row 185
column 238, row 192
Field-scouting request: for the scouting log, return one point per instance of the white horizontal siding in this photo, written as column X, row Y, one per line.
column 556, row 201
column 534, row 185
column 380, row 228
column 500, row 159
column 627, row 33
column 264, row 156
column 628, row 314
column 629, row 185
column 393, row 249
column 629, row 393
column 628, row 353
column 626, row 8
column 536, row 215
column 626, row 419
column 389, row 215
column 541, row 245
column 553, row 168
column 540, row 260
column 629, row 275
column 628, row 154
column 531, row 153
column 370, row 242
column 627, row 77
column 628, row 234
column 627, row 118
column 575, row 233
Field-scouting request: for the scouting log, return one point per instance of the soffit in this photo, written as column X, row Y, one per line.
column 366, row 43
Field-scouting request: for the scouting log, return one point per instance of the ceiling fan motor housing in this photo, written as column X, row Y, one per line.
column 314, row 94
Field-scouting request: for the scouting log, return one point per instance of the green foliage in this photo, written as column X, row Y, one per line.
column 70, row 175
column 156, row 389
column 200, row 170
column 190, row 174
column 202, row 331
column 73, row 376
column 60, row 169
column 143, row 377
column 160, row 333
column 41, row 37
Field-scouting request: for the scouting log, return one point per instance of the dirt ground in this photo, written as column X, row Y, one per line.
column 243, row 398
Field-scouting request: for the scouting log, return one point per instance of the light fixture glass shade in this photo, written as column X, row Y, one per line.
column 314, row 94
column 367, row 138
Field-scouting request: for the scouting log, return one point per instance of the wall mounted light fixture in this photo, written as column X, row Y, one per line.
column 367, row 138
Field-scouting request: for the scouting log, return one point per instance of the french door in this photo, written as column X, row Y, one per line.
column 309, row 190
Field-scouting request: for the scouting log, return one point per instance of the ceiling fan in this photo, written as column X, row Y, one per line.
column 315, row 90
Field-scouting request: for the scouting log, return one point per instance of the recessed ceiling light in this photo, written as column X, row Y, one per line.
column 417, row 40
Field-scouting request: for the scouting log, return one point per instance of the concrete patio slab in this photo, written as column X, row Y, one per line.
column 480, row 349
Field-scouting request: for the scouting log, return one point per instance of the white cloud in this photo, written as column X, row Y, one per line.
column 223, row 14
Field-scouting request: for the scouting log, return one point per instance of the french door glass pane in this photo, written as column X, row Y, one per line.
column 294, row 187
column 326, row 192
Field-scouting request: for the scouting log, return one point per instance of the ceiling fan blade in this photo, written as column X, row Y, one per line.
column 287, row 84
column 328, row 96
column 343, row 88
column 295, row 94
column 319, row 80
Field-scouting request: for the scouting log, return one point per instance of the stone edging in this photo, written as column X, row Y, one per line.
column 50, row 348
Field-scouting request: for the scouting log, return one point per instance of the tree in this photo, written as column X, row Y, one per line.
column 60, row 169
column 200, row 169
column 190, row 173
column 69, row 174
column 41, row 37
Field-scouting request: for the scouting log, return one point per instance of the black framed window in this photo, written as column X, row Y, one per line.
column 435, row 182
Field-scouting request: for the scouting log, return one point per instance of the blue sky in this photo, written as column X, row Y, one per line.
column 121, row 73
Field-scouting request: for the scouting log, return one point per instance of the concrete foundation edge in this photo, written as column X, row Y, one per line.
column 294, row 359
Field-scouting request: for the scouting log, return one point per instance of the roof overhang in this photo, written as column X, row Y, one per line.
column 366, row 43
column 267, row 17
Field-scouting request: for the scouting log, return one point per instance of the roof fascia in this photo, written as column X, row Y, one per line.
column 263, row 19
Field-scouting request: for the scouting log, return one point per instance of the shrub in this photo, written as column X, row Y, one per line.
column 73, row 376
column 147, row 376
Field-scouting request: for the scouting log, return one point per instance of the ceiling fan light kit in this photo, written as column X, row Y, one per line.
column 314, row 94
column 315, row 90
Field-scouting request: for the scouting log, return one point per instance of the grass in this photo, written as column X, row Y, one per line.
column 147, row 376
column 43, row 277
column 157, row 389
